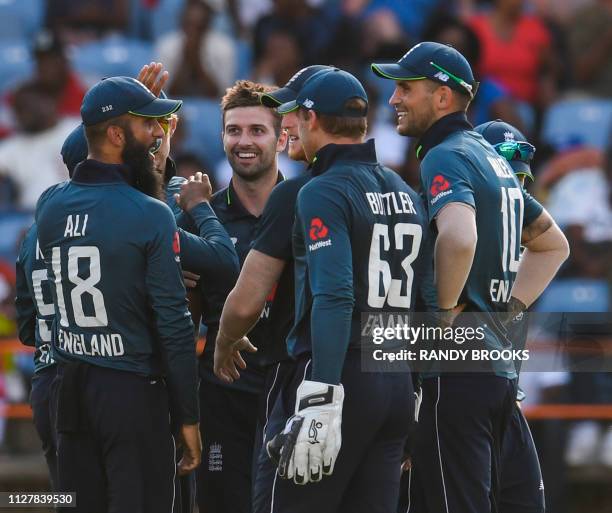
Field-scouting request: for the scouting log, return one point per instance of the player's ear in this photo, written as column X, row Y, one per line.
column 313, row 119
column 115, row 135
column 281, row 144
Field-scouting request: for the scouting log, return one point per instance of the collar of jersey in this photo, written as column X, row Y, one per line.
column 94, row 172
column 326, row 156
column 232, row 202
column 440, row 130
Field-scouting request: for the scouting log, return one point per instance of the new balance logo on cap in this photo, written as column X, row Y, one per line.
column 308, row 103
column 442, row 76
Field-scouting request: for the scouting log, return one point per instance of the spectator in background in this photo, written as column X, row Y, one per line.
column 77, row 22
column 281, row 58
column 201, row 60
column 580, row 188
column 297, row 17
column 516, row 51
column 31, row 158
column 590, row 41
column 493, row 101
column 54, row 75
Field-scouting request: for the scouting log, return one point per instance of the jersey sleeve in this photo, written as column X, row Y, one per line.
column 445, row 179
column 166, row 293
column 324, row 223
column 273, row 236
column 532, row 208
column 209, row 251
column 24, row 302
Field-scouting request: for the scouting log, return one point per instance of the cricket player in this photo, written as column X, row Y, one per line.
column 522, row 486
column 252, row 139
column 122, row 337
column 357, row 239
column 479, row 215
column 268, row 267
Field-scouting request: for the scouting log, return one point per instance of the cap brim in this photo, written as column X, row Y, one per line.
column 521, row 168
column 288, row 107
column 278, row 97
column 395, row 72
column 158, row 108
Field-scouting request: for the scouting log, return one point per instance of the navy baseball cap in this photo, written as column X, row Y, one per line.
column 327, row 92
column 435, row 61
column 510, row 143
column 291, row 89
column 74, row 150
column 115, row 96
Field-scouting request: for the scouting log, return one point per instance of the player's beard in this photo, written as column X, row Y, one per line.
column 137, row 157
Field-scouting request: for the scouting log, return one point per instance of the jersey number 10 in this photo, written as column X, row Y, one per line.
column 510, row 197
column 379, row 270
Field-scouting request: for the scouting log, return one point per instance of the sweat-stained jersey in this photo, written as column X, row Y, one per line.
column 465, row 168
column 358, row 236
column 113, row 255
column 34, row 301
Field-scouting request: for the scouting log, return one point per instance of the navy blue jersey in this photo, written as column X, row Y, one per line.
column 274, row 237
column 206, row 248
column 113, row 254
column 34, row 301
column 358, row 236
column 241, row 227
column 465, row 168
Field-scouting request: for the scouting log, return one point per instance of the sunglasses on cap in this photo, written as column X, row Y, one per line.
column 516, row 150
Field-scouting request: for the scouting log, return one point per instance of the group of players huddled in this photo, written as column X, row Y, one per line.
column 125, row 261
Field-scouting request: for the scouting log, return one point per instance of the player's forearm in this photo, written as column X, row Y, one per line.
column 454, row 254
column 240, row 313
column 540, row 262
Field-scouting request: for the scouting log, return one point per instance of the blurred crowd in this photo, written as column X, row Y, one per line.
column 544, row 66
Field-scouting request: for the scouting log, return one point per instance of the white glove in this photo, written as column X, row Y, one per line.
column 309, row 445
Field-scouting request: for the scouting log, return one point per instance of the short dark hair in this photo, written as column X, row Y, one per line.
column 246, row 93
column 463, row 99
column 95, row 134
column 344, row 126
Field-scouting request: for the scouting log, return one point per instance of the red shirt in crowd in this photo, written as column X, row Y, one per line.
column 516, row 62
column 69, row 101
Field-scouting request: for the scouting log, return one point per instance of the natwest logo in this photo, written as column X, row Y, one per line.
column 318, row 230
column 439, row 184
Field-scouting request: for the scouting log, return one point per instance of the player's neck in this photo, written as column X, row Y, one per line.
column 254, row 194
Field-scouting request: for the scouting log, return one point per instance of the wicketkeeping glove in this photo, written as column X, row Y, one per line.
column 309, row 445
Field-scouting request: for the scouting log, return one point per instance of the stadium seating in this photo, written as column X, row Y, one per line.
column 21, row 19
column 16, row 64
column 575, row 295
column 587, row 121
column 203, row 129
column 112, row 56
column 13, row 224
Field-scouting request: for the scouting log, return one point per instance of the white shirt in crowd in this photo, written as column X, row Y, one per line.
column 34, row 162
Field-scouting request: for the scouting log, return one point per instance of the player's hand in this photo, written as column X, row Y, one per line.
column 193, row 192
column 514, row 311
column 192, row 448
column 446, row 317
column 228, row 358
column 308, row 447
column 152, row 77
column 163, row 150
column 190, row 279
